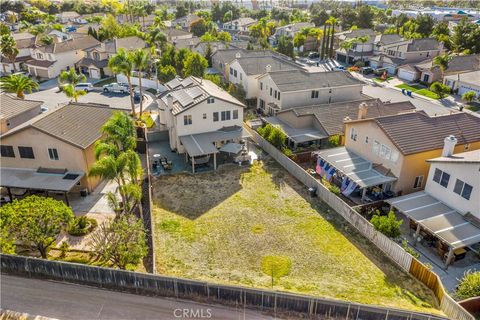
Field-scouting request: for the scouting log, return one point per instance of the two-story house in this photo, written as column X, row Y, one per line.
column 95, row 62
column 177, row 34
column 67, row 17
column 402, row 143
column 49, row 61
column 200, row 117
column 359, row 50
column 280, row 90
column 240, row 24
column 55, row 150
column 289, row 31
column 395, row 54
column 15, row 111
column 464, row 82
column 25, row 42
column 185, row 22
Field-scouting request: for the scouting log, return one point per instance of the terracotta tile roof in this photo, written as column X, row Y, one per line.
column 417, row 132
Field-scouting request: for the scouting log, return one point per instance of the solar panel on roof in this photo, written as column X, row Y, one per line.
column 195, row 92
column 186, row 82
column 173, row 83
column 183, row 98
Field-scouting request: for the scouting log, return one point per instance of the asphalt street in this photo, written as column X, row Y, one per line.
column 69, row 301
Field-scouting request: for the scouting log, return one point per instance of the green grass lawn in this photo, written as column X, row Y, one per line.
column 218, row 227
column 419, row 90
column 381, row 80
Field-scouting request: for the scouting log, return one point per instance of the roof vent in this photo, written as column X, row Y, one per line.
column 362, row 111
column 268, row 68
column 449, row 146
column 238, row 55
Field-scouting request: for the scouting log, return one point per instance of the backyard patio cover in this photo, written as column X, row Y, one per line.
column 354, row 167
column 31, row 179
column 438, row 218
column 297, row 135
column 203, row 143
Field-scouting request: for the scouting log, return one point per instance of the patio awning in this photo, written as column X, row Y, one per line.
column 34, row 180
column 438, row 218
column 231, row 147
column 354, row 167
column 298, row 135
column 204, row 143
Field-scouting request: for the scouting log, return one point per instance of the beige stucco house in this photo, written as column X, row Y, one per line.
column 15, row 111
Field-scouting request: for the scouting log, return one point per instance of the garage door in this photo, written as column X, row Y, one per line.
column 341, row 58
column 42, row 73
column 463, row 89
column 94, row 73
column 406, row 75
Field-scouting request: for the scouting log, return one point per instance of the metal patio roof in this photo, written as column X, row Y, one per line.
column 298, row 135
column 438, row 218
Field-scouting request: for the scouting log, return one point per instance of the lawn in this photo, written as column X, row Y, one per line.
column 220, row 226
column 381, row 80
column 419, row 90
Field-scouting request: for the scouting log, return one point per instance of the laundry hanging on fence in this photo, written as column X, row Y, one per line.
column 319, row 167
column 330, row 173
column 345, row 183
column 325, row 170
column 350, row 188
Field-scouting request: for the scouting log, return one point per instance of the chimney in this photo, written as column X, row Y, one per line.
column 238, row 55
column 268, row 68
column 362, row 111
column 169, row 101
column 448, row 146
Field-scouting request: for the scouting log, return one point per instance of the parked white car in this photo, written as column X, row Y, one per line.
column 86, row 86
column 115, row 87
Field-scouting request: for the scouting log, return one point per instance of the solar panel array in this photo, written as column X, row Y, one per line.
column 173, row 83
column 183, row 98
column 194, row 92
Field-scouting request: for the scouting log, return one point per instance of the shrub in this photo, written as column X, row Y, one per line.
column 334, row 189
column 469, row 96
column 276, row 266
column 82, row 226
column 289, row 153
column 334, row 141
column 64, row 247
column 409, row 249
column 273, row 134
column 388, row 225
column 440, row 89
column 469, row 285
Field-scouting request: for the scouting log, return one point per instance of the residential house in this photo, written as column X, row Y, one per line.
column 200, row 117
column 95, row 62
column 289, row 31
column 67, row 17
column 25, row 42
column 178, row 34
column 55, row 150
column 240, row 24
column 245, row 71
column 185, row 22
column 48, row 61
column 315, row 124
column 402, row 143
column 280, row 90
column 189, row 43
column 403, row 52
column 382, row 40
column 464, row 82
column 15, row 111
column 359, row 51
column 427, row 72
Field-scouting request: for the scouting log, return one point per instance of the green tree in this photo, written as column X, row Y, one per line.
column 181, row 11
column 180, row 58
column 469, row 96
column 208, row 55
column 198, row 28
column 166, row 73
column 332, row 22
column 157, row 38
column 8, row 48
column 71, row 77
column 7, row 238
column 273, row 134
column 364, row 19
column 141, row 61
column 440, row 89
column 215, row 78
column 122, row 63
column 38, row 221
column 320, row 18
column 442, row 62
column 224, row 36
column 276, row 267
column 46, row 40
column 195, row 65
column 121, row 241
column 347, row 45
column 285, row 46
column 388, row 225
column 465, row 36
column 18, row 84
column 71, row 92
column 469, row 286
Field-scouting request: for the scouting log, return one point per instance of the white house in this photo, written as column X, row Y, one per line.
column 67, row 16
column 25, row 42
column 464, row 82
column 48, row 61
column 282, row 90
column 200, row 117
column 240, row 24
column 185, row 22
column 289, row 31
column 359, row 51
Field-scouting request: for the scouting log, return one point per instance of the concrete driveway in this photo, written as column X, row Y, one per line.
column 53, row 98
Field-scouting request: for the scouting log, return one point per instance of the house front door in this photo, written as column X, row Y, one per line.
column 426, row 77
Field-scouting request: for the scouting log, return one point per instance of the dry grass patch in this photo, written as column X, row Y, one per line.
column 220, row 226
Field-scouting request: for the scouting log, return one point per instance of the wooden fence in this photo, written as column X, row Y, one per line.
column 394, row 251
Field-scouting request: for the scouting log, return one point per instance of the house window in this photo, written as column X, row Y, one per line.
column 241, row 77
column 271, row 92
column 210, row 100
column 278, row 95
column 366, row 139
column 262, row 104
column 353, row 134
column 261, row 85
column 26, row 152
column 53, row 153
column 314, row 94
column 96, row 56
column 376, row 147
column 235, row 114
column 225, row 115
column 394, row 156
column 235, row 73
column 187, row 120
column 418, row 182
column 215, row 116
column 275, row 94
column 204, row 116
column 463, row 189
column 231, row 71
column 441, row 177
column 39, row 56
column 7, row 151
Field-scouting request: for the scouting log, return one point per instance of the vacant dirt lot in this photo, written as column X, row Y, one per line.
column 219, row 226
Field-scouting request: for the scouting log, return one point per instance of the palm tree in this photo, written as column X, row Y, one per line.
column 71, row 77
column 140, row 59
column 362, row 40
column 71, row 92
column 18, row 84
column 333, row 22
column 8, row 48
column 157, row 38
column 122, row 63
column 347, row 45
column 325, row 33
column 442, row 62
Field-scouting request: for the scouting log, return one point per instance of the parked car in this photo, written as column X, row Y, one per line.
column 86, row 86
column 115, row 87
column 366, row 70
column 313, row 55
column 339, row 68
column 136, row 96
